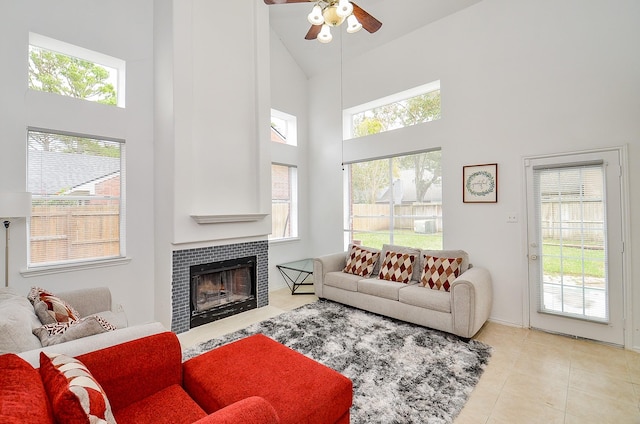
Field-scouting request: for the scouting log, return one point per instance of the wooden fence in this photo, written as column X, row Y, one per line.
column 61, row 233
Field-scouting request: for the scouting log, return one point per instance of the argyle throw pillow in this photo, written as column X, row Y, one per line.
column 397, row 267
column 439, row 273
column 361, row 261
column 76, row 397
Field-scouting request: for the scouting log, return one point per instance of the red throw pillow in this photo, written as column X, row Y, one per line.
column 75, row 395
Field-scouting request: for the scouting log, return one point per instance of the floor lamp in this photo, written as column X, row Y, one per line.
column 12, row 206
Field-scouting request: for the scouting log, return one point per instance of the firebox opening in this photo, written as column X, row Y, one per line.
column 221, row 289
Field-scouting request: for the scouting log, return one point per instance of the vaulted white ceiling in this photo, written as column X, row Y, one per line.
column 398, row 17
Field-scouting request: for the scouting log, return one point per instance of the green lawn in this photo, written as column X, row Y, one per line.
column 401, row 238
column 594, row 259
column 572, row 262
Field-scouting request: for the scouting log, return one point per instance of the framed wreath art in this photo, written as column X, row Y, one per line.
column 480, row 183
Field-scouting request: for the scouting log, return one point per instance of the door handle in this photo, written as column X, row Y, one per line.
column 533, row 257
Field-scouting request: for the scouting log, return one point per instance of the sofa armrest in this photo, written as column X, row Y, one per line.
column 251, row 410
column 471, row 301
column 324, row 264
column 132, row 371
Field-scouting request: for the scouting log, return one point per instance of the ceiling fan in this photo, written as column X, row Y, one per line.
column 331, row 13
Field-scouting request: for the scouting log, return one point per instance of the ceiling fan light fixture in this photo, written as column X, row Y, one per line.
column 325, row 34
column 344, row 9
column 353, row 25
column 331, row 17
column 315, row 17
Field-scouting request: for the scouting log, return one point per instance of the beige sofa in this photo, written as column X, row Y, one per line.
column 18, row 320
column 461, row 311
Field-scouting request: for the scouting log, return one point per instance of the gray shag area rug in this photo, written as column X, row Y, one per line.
column 401, row 373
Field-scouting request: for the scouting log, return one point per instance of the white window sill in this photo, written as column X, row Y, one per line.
column 56, row 269
column 284, row 240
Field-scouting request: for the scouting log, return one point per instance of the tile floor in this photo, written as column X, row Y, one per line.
column 533, row 377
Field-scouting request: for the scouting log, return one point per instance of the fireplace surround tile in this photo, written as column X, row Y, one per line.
column 183, row 259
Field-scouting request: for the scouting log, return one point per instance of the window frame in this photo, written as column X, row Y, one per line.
column 67, row 49
column 293, row 203
column 60, row 266
column 348, row 216
column 348, row 113
column 291, row 122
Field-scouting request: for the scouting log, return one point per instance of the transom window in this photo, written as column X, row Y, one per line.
column 284, row 128
column 77, row 186
column 404, row 109
column 68, row 70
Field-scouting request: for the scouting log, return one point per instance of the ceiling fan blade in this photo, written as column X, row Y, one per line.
column 313, row 32
column 285, row 1
column 368, row 22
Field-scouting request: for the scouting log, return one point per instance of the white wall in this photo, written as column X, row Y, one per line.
column 518, row 79
column 123, row 30
column 289, row 95
column 212, row 128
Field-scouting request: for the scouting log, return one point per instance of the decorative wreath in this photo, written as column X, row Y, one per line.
column 488, row 190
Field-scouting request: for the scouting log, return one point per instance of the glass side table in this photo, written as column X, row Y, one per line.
column 296, row 275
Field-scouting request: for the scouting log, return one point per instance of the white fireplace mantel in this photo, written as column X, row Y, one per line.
column 220, row 219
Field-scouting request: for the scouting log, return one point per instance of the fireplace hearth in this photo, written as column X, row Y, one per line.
column 221, row 289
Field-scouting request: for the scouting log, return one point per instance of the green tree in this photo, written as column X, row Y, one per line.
column 418, row 109
column 427, row 170
column 368, row 179
column 69, row 76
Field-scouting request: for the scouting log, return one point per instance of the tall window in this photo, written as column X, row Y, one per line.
column 284, row 202
column 404, row 109
column 68, row 70
column 396, row 200
column 77, row 187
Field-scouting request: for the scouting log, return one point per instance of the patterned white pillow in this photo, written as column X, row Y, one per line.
column 76, row 396
column 361, row 261
column 397, row 267
column 440, row 273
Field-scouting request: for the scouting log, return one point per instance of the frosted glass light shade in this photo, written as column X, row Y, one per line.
column 315, row 17
column 15, row 205
column 353, row 25
column 325, row 34
column 345, row 8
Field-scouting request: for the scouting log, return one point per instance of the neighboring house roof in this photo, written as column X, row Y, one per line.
column 54, row 172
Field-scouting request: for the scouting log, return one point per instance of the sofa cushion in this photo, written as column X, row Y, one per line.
column 440, row 273
column 380, row 288
column 24, row 399
column 17, row 321
column 361, row 260
column 57, row 309
column 171, row 405
column 397, row 266
column 342, row 280
column 75, row 396
column 424, row 297
column 59, row 332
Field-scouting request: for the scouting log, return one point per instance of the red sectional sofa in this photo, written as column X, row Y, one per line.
column 253, row 380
